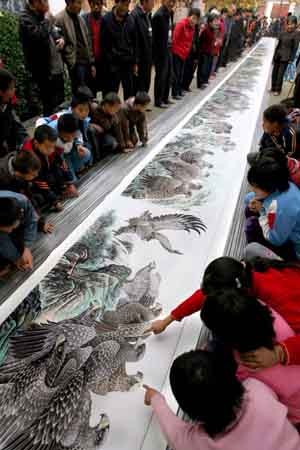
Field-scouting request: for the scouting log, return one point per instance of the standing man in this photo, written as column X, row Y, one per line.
column 93, row 21
column 42, row 45
column 142, row 17
column 119, row 49
column 162, row 26
column 77, row 52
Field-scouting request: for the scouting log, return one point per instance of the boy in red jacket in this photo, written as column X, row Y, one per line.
column 181, row 47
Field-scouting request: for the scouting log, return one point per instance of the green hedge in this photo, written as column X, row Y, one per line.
column 12, row 55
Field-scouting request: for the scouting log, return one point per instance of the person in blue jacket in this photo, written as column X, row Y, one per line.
column 18, row 231
column 274, row 206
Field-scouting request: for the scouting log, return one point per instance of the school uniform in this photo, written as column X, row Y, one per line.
column 278, row 223
column 68, row 150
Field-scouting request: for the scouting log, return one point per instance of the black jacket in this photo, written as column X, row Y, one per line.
column 287, row 47
column 118, row 41
column 143, row 25
column 37, row 36
column 160, row 30
column 12, row 132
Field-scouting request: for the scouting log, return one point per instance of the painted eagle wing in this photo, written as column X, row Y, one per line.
column 49, row 430
column 184, row 222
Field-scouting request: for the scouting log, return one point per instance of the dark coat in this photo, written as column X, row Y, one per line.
column 287, row 47
column 65, row 22
column 143, row 25
column 12, row 132
column 160, row 30
column 119, row 41
column 38, row 43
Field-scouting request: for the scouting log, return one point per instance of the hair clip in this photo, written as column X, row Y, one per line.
column 238, row 283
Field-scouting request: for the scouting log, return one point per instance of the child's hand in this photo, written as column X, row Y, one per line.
column 149, row 394
column 129, row 144
column 48, row 228
column 262, row 358
column 81, row 151
column 25, row 262
column 255, row 205
column 58, row 206
column 158, row 326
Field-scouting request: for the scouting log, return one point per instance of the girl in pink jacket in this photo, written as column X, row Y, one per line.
column 243, row 324
column 226, row 414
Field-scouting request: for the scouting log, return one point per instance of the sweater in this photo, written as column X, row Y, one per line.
column 279, row 217
column 183, row 38
column 283, row 380
column 279, row 289
column 263, row 425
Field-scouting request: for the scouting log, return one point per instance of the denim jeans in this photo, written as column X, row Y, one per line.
column 76, row 163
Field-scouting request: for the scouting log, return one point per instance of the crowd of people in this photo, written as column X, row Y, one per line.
column 101, row 51
column 243, row 389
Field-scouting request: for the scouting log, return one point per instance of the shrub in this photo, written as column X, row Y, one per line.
column 12, row 55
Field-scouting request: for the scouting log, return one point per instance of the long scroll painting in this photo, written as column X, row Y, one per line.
column 75, row 384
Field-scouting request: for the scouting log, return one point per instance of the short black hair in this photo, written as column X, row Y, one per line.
column 6, row 79
column 276, row 114
column 238, row 320
column 10, row 211
column 224, row 11
column 80, row 99
column 142, row 98
column 45, row 133
column 67, row 123
column 111, row 99
column 26, row 162
column 195, row 12
column 210, row 377
column 269, row 175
